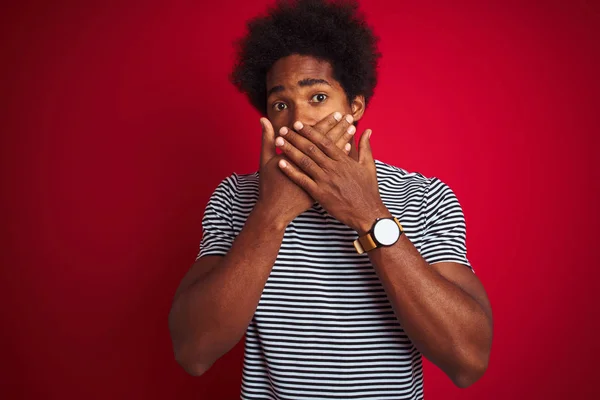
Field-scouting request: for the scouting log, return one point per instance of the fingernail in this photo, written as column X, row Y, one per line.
column 349, row 118
column 337, row 116
column 283, row 131
column 370, row 132
column 283, row 164
column 298, row 125
column 262, row 124
column 279, row 141
column 351, row 129
column 348, row 146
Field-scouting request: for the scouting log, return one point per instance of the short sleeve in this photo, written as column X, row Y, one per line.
column 444, row 238
column 217, row 223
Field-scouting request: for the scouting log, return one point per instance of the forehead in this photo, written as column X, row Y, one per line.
column 288, row 71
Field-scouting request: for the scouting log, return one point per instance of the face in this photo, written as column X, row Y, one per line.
column 302, row 88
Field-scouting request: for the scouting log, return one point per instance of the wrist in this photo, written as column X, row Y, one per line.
column 367, row 219
column 269, row 217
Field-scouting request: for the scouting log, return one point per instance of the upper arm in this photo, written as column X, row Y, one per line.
column 444, row 243
column 217, row 233
column 445, row 231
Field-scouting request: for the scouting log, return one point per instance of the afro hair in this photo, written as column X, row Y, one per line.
column 331, row 31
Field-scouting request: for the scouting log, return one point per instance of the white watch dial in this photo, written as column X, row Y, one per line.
column 386, row 232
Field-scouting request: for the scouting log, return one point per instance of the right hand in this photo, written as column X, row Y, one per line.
column 277, row 192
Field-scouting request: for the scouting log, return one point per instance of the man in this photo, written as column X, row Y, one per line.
column 342, row 270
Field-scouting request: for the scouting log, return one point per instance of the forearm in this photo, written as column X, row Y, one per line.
column 211, row 315
column 446, row 324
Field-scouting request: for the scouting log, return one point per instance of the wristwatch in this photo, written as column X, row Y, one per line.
column 384, row 232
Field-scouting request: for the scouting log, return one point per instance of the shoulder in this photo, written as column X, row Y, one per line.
column 430, row 192
column 441, row 196
column 391, row 172
column 393, row 177
column 235, row 184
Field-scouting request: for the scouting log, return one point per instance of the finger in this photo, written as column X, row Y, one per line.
column 268, row 142
column 365, row 154
column 306, row 139
column 327, row 123
column 343, row 129
column 339, row 129
column 301, row 152
column 298, row 177
column 346, row 137
column 327, row 148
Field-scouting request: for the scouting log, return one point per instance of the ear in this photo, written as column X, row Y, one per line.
column 358, row 107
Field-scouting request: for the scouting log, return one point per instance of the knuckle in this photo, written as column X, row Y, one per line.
column 311, row 149
column 319, row 130
column 307, row 132
column 303, row 181
column 326, row 142
column 305, row 162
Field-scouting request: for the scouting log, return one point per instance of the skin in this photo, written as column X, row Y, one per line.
column 442, row 307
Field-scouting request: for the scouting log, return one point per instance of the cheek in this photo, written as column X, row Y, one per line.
column 273, row 116
column 277, row 121
column 276, row 128
column 340, row 104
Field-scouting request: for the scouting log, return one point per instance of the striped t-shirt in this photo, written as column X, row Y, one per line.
column 324, row 328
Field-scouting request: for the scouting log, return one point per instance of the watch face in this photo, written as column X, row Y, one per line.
column 386, row 232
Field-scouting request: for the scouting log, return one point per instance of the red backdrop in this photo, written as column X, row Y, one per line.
column 119, row 121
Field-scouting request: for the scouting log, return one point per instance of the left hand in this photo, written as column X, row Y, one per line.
column 346, row 188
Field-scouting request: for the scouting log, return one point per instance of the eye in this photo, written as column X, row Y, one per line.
column 319, row 98
column 279, row 106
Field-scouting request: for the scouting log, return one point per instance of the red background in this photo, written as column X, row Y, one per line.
column 119, row 121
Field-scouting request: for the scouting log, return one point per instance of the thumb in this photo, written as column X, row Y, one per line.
column 365, row 153
column 268, row 142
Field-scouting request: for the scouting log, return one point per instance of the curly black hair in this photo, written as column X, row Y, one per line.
column 331, row 31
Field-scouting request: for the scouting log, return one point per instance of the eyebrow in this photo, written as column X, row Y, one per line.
column 302, row 83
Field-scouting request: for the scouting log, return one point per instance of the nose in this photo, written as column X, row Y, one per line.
column 304, row 113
